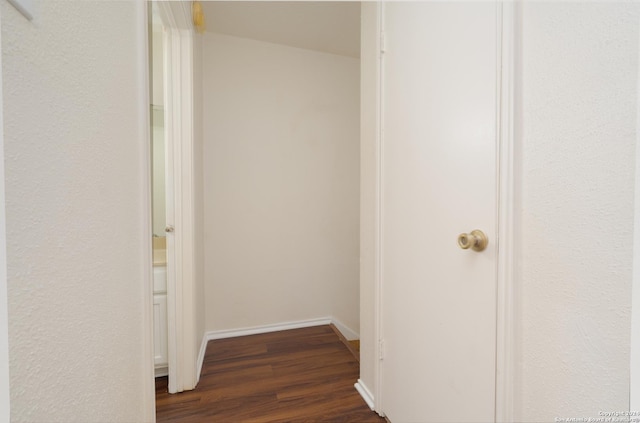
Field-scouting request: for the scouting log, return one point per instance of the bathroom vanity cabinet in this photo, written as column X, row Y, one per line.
column 160, row 319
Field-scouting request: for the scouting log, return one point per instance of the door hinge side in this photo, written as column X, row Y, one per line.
column 381, row 349
column 383, row 42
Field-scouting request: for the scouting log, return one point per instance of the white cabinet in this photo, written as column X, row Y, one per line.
column 160, row 330
column 160, row 320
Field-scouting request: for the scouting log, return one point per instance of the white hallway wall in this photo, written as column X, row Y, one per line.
column 586, row 80
column 580, row 72
column 577, row 117
column 4, row 317
column 75, row 211
column 281, row 148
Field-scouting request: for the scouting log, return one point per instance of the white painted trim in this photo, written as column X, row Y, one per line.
column 25, row 7
column 276, row 327
column 506, row 290
column 162, row 371
column 176, row 14
column 379, row 213
column 634, row 355
column 365, row 393
column 149, row 394
column 201, row 354
column 179, row 131
column 370, row 193
column 169, row 133
column 5, row 398
column 346, row 331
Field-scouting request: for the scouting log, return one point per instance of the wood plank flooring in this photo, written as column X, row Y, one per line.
column 300, row 375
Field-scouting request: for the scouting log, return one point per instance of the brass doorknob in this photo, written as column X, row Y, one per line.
column 476, row 240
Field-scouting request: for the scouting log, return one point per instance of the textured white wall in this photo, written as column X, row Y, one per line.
column 281, row 155
column 198, row 172
column 75, row 211
column 4, row 317
column 579, row 83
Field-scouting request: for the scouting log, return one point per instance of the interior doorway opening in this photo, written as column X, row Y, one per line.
column 158, row 192
column 293, row 210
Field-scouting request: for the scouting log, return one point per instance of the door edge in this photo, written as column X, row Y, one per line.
column 506, row 220
column 179, row 138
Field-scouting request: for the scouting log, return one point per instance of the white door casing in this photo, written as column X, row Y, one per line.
column 447, row 129
column 149, row 394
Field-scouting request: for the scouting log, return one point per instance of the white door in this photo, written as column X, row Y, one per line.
column 439, row 179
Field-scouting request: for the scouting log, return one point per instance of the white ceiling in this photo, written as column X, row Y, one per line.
column 328, row 26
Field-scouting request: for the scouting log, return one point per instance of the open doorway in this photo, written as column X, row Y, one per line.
column 158, row 168
column 274, row 171
column 178, row 236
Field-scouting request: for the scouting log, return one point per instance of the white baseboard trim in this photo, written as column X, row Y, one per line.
column 348, row 333
column 203, row 350
column 161, row 371
column 255, row 330
column 365, row 393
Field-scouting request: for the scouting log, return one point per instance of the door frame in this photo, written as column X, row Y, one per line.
column 506, row 224
column 179, row 138
column 149, row 394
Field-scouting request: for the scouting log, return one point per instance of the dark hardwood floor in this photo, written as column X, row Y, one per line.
column 300, row 375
